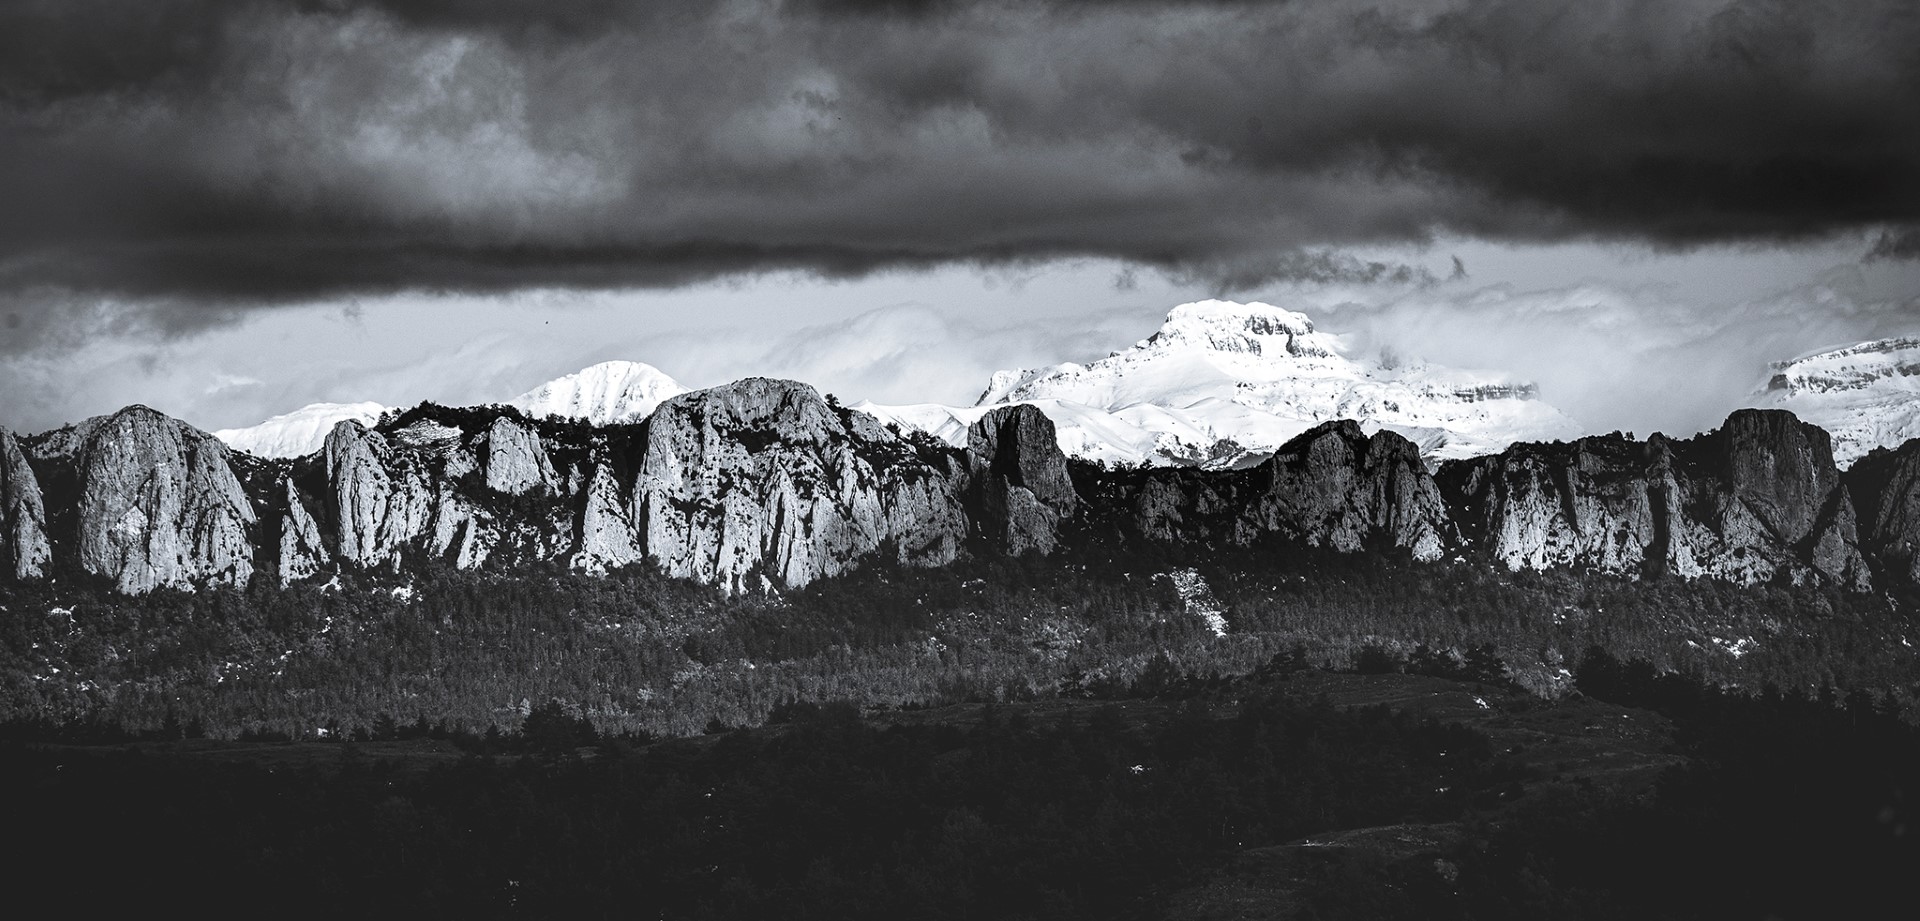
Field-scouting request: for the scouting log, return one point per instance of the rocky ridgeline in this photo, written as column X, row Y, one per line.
column 1333, row 486
column 765, row 484
column 1756, row 499
column 765, row 480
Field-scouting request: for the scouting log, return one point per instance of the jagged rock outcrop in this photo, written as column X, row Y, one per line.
column 159, row 505
column 1605, row 502
column 1885, row 488
column 762, row 479
column 24, row 548
column 378, row 507
column 1757, row 498
column 607, row 536
column 1784, row 490
column 303, row 553
column 1332, row 486
column 387, row 500
column 516, row 460
column 1019, row 476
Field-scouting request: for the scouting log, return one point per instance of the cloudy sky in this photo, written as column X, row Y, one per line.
column 229, row 209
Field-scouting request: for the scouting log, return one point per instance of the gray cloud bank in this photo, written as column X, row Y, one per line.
column 250, row 152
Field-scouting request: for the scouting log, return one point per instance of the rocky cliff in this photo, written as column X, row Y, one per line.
column 1332, row 486
column 303, row 551
column 1020, row 483
column 763, row 480
column 24, row 549
column 516, row 460
column 1756, row 499
column 1885, row 489
column 159, row 505
column 429, row 490
column 608, row 538
column 766, row 484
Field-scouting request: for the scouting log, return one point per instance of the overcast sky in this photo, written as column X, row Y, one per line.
column 229, row 209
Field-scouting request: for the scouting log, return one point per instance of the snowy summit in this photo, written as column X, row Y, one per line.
column 1222, row 383
column 603, row 394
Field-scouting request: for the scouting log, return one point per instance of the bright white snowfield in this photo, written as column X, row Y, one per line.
column 1867, row 396
column 606, row 393
column 300, row 432
column 1223, row 383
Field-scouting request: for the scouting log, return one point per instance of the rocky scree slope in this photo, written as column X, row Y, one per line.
column 765, row 484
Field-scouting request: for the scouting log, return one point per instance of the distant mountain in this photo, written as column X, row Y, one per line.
column 299, row 432
column 604, row 394
column 1867, row 396
column 1222, row 384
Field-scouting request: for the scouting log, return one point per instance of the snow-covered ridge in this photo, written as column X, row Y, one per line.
column 1221, row 383
column 1867, row 395
column 603, row 394
column 299, row 432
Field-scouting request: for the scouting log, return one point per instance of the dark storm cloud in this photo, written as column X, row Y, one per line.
column 1896, row 243
column 56, row 321
column 262, row 151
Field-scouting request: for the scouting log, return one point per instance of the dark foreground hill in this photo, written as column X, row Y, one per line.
column 1295, row 793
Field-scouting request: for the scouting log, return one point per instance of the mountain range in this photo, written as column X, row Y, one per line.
column 603, row 394
column 1223, row 384
column 767, row 485
column 764, row 484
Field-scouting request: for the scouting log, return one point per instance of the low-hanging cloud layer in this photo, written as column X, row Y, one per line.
column 188, row 185
column 190, row 153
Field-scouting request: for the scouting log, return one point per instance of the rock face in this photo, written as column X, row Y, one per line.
column 1760, row 497
column 516, row 460
column 376, row 510
column 303, row 553
column 607, row 536
column 1332, row 486
column 1019, row 475
column 1603, row 502
column 761, row 479
column 388, row 500
column 160, row 506
column 24, row 548
column 1885, row 488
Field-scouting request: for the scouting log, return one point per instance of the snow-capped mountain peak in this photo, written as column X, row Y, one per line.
column 1222, row 382
column 606, row 393
column 1251, row 329
column 300, row 432
column 1867, row 395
